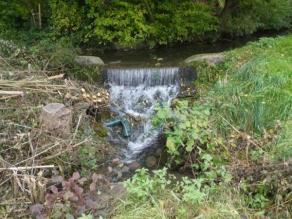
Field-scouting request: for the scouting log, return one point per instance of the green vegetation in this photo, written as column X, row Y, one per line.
column 254, row 94
column 229, row 148
column 124, row 23
column 164, row 196
column 239, row 122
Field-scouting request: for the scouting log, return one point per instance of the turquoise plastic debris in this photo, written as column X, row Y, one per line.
column 127, row 128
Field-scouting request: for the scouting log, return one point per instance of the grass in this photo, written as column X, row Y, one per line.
column 258, row 89
column 222, row 202
column 283, row 149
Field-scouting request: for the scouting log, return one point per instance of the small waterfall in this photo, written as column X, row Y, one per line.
column 143, row 76
column 136, row 92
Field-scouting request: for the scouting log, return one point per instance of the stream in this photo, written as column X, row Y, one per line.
column 140, row 80
column 135, row 92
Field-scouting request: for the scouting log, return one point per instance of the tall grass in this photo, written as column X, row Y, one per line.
column 258, row 92
column 283, row 149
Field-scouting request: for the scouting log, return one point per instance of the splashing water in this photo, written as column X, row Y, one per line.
column 136, row 92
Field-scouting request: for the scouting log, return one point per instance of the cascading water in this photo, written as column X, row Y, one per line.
column 136, row 92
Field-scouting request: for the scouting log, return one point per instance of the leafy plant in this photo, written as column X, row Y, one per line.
column 189, row 136
column 88, row 157
column 143, row 186
column 51, row 54
column 162, row 195
column 186, row 126
column 255, row 197
column 70, row 198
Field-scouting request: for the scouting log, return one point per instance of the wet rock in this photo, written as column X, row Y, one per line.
column 89, row 60
column 56, row 119
column 150, row 162
column 125, row 170
column 158, row 152
column 134, row 165
column 210, row 58
column 187, row 74
column 119, row 174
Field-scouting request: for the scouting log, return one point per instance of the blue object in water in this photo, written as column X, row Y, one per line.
column 127, row 128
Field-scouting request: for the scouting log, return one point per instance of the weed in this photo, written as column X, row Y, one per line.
column 88, row 158
column 163, row 195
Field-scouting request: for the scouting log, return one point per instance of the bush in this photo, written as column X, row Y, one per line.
column 66, row 17
column 247, row 17
column 190, row 139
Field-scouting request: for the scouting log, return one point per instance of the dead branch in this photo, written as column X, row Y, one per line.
column 28, row 168
column 14, row 93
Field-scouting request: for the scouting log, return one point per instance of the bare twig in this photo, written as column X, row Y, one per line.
column 77, row 127
column 56, row 77
column 28, row 168
column 14, row 93
column 61, row 152
column 38, row 154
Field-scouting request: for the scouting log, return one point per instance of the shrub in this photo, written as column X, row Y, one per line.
column 188, row 131
column 247, row 17
column 67, row 16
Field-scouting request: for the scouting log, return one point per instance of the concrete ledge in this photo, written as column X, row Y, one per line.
column 210, row 58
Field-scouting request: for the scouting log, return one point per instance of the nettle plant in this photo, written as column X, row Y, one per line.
column 190, row 138
column 191, row 141
column 143, row 186
column 153, row 186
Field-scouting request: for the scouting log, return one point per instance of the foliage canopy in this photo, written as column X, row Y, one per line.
column 133, row 23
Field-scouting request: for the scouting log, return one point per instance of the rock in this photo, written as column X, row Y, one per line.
column 89, row 60
column 110, row 169
column 158, row 152
column 125, row 170
column 134, row 165
column 119, row 174
column 56, row 119
column 210, row 58
column 150, row 162
column 116, row 161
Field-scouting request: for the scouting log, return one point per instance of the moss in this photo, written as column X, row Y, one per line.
column 100, row 130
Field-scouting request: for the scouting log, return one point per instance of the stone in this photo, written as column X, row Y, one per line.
column 56, row 119
column 116, row 161
column 210, row 58
column 158, row 152
column 110, row 169
column 89, row 60
column 125, row 170
column 150, row 162
column 134, row 165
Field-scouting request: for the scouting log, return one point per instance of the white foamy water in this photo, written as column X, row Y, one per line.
column 136, row 92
